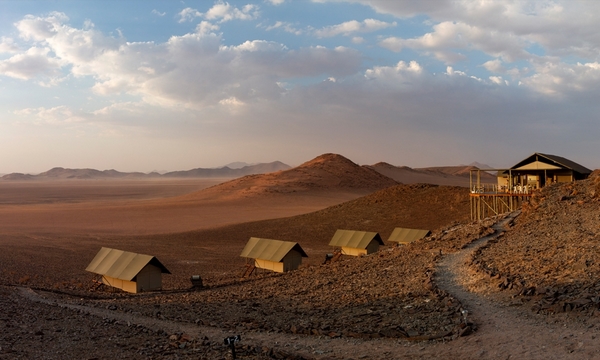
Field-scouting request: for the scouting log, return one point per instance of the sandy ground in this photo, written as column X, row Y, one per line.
column 134, row 207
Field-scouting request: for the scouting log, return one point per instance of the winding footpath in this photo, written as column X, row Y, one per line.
column 509, row 332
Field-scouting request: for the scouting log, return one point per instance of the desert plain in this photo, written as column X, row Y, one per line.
column 516, row 286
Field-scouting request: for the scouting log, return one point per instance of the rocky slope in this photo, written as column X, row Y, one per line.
column 550, row 256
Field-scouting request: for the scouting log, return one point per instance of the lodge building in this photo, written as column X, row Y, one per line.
column 516, row 184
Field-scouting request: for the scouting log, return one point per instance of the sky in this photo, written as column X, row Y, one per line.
column 175, row 85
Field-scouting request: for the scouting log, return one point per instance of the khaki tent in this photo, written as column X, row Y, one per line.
column 356, row 243
column 128, row 271
column 405, row 235
column 275, row 255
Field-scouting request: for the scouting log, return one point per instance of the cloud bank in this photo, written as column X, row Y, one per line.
column 481, row 81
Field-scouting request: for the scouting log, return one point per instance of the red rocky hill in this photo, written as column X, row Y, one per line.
column 325, row 173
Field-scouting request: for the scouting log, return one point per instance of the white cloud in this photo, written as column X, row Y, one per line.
column 503, row 28
column 206, row 28
column 498, row 80
column 231, row 102
column 410, row 8
column 193, row 70
column 60, row 115
column 494, row 66
column 188, row 14
column 450, row 71
column 40, row 29
column 560, row 79
column 258, row 45
column 7, row 45
column 275, row 2
column 401, row 75
column 350, row 27
column 277, row 25
column 156, row 12
column 30, row 64
column 448, row 38
column 147, row 70
column 223, row 12
column 79, row 48
column 127, row 107
column 286, row 26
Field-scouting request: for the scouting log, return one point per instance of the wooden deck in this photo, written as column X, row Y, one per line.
column 488, row 204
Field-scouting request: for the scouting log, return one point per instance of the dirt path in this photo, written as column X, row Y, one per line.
column 509, row 332
column 310, row 347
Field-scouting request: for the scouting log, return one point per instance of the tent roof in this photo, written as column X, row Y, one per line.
column 354, row 239
column 554, row 160
column 121, row 264
column 405, row 235
column 269, row 249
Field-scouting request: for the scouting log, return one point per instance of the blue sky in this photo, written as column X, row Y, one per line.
column 175, row 85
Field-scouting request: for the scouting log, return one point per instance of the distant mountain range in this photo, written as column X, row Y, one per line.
column 227, row 172
column 238, row 165
column 440, row 175
column 59, row 173
column 480, row 165
column 325, row 171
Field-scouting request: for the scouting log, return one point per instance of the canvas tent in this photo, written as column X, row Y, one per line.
column 275, row 255
column 356, row 243
column 405, row 235
column 128, row 271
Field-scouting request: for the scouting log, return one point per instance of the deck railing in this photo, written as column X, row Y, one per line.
column 498, row 189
